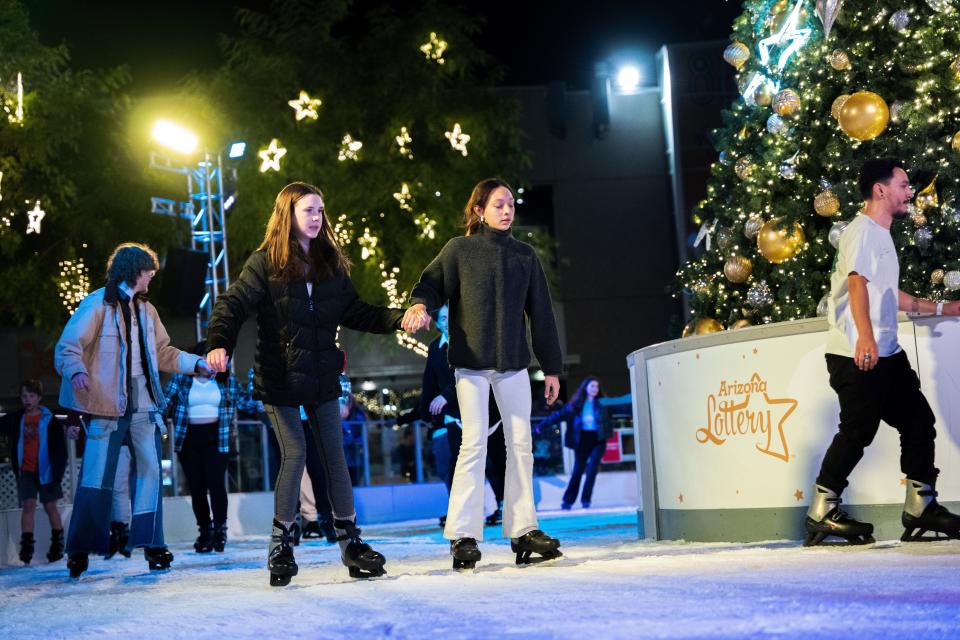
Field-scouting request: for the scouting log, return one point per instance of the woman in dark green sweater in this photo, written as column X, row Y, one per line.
column 494, row 285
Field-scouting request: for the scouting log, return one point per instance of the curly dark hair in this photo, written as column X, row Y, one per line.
column 128, row 260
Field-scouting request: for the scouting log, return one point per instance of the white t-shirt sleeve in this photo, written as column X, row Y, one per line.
column 860, row 256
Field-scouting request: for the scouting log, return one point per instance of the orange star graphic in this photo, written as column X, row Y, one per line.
column 903, row 482
column 680, row 498
column 755, row 351
column 798, row 495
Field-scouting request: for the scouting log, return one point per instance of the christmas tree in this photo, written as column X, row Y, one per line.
column 824, row 86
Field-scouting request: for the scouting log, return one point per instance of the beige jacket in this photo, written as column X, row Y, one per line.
column 94, row 342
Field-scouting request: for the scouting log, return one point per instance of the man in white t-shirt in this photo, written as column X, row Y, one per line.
column 870, row 372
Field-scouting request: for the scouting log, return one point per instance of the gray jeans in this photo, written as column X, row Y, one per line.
column 325, row 421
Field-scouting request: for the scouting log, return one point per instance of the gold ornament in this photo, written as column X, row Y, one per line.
column 786, row 103
column 936, row 276
column 838, row 105
column 737, row 269
column 917, row 218
column 689, row 329
column 743, row 133
column 736, row 54
column 955, row 67
column 955, row 142
column 725, row 238
column 927, row 197
column 740, row 324
column 744, row 167
column 778, row 242
column 826, row 204
column 707, row 325
column 763, row 96
column 752, row 226
column 839, row 60
column 864, row 116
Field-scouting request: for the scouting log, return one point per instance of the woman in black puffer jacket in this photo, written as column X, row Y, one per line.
column 298, row 286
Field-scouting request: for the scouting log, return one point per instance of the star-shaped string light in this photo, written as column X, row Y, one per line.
column 427, row 225
column 305, row 106
column 789, row 39
column 271, row 156
column 434, row 48
column 458, row 139
column 368, row 244
column 349, row 149
column 15, row 111
column 34, row 217
column 403, row 141
column 404, row 196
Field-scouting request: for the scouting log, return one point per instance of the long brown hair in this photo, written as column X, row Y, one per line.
column 478, row 198
column 287, row 259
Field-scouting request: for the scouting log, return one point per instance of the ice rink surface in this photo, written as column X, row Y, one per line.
column 608, row 585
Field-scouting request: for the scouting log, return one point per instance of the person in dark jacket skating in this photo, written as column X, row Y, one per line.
column 38, row 456
column 493, row 285
column 298, row 286
column 438, row 405
column 587, row 435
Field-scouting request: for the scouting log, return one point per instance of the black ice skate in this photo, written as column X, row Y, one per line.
column 922, row 513
column 296, row 531
column 219, row 537
column 56, row 545
column 465, row 553
column 204, row 541
column 26, row 547
column 119, row 536
column 311, row 530
column 158, row 558
column 495, row 518
column 280, row 558
column 329, row 533
column 77, row 563
column 359, row 557
column 538, row 542
column 825, row 519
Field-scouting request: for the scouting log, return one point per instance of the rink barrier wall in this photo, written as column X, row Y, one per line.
column 731, row 428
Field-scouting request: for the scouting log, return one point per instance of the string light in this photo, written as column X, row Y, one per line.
column 305, row 106
column 458, row 139
column 368, row 244
column 403, row 141
column 427, row 225
column 434, row 48
column 349, row 149
column 343, row 230
column 73, row 284
column 404, row 196
column 271, row 156
column 14, row 107
column 34, row 217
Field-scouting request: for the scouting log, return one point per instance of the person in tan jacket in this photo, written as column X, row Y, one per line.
column 109, row 357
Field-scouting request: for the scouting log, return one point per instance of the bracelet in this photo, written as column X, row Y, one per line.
column 940, row 308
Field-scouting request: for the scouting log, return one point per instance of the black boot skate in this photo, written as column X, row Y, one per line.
column 26, row 547
column 359, row 557
column 220, row 537
column 56, row 545
column 496, row 517
column 77, row 563
column 329, row 533
column 311, row 530
column 465, row 553
column 922, row 513
column 204, row 541
column 296, row 531
column 825, row 519
column 535, row 541
column 158, row 558
column 280, row 559
column 119, row 536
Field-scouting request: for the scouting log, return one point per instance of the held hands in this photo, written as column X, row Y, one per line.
column 204, row 370
column 415, row 319
column 865, row 354
column 217, row 360
column 551, row 389
column 437, row 405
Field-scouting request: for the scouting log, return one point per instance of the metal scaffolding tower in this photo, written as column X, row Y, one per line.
column 205, row 209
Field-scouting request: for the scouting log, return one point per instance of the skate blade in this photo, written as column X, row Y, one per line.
column 920, row 535
column 464, row 565
column 277, row 580
column 526, row 557
column 357, row 572
column 158, row 567
column 826, row 540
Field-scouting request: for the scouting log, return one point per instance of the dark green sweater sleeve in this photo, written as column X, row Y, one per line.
column 436, row 281
column 543, row 324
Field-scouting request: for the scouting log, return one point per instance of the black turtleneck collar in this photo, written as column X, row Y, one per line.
column 495, row 235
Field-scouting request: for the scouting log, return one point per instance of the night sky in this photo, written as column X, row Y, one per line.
column 534, row 42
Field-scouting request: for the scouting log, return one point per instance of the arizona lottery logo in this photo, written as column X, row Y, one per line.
column 744, row 411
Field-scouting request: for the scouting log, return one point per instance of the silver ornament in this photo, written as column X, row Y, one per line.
column 826, row 185
column 896, row 111
column 923, row 237
column 776, row 125
column 752, row 226
column 951, row 280
column 900, row 20
column 823, row 306
column 788, row 171
column 759, row 295
column 941, row 6
column 950, row 213
column 835, row 231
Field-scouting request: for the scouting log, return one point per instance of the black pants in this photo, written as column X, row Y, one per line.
column 890, row 392
column 317, row 478
column 205, row 468
column 586, row 459
column 496, row 468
